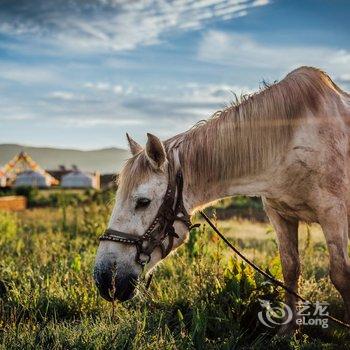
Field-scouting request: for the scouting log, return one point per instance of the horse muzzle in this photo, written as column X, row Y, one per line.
column 114, row 285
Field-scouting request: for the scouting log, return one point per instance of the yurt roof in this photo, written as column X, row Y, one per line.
column 31, row 178
column 22, row 163
column 77, row 174
column 30, row 173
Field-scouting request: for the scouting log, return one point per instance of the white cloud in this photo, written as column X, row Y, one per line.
column 91, row 122
column 187, row 103
column 13, row 112
column 24, row 74
column 102, row 86
column 63, row 95
column 114, row 25
column 345, row 78
column 341, row 57
column 179, row 106
column 242, row 51
column 215, row 93
column 117, row 89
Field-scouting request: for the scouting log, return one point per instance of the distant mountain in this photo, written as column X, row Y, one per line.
column 108, row 160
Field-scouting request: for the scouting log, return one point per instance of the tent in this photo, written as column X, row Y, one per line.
column 33, row 179
column 79, row 179
column 23, row 163
column 2, row 180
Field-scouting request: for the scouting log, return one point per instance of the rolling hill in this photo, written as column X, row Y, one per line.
column 108, row 160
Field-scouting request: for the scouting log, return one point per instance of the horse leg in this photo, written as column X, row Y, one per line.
column 334, row 224
column 287, row 239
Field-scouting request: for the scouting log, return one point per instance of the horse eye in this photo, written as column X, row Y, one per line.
column 142, row 203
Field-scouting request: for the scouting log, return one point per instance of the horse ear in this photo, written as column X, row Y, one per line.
column 133, row 145
column 155, row 151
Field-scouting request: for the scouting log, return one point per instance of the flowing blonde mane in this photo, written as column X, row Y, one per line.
column 245, row 138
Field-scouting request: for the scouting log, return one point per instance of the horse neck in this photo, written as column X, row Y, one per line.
column 202, row 193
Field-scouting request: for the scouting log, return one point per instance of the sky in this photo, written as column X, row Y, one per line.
column 82, row 73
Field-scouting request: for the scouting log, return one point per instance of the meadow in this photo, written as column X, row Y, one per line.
column 201, row 297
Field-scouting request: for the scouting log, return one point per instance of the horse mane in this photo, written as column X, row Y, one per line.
column 244, row 138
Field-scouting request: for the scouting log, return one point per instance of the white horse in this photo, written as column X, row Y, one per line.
column 289, row 144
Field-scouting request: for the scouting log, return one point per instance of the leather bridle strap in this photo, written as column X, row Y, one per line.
column 119, row 236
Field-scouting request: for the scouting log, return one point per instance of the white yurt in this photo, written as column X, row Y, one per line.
column 78, row 179
column 32, row 178
column 2, row 181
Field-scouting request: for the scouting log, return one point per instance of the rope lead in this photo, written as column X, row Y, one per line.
column 262, row 272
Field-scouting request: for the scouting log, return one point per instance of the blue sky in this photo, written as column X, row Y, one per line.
column 82, row 73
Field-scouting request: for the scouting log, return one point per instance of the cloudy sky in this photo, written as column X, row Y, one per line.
column 80, row 74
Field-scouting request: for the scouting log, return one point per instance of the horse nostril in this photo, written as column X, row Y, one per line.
column 104, row 282
column 125, row 287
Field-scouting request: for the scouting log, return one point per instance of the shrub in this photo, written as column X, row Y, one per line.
column 30, row 193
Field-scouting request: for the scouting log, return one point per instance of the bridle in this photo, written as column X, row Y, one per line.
column 161, row 228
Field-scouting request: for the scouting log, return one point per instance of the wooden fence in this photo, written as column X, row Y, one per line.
column 13, row 203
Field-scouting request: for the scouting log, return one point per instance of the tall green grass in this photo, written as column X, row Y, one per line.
column 201, row 296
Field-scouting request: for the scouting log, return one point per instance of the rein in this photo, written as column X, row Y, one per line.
column 262, row 272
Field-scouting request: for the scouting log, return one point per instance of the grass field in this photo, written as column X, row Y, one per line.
column 200, row 298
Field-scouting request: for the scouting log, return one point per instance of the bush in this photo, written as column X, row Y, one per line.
column 30, row 193
column 6, row 191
